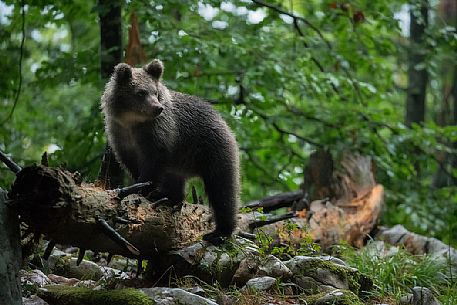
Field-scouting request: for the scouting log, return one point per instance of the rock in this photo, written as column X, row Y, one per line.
column 33, row 300
column 196, row 290
column 273, row 266
column 35, row 277
column 205, row 261
column 254, row 266
column 314, row 275
column 334, row 260
column 65, row 265
column 109, row 273
column 418, row 245
column 123, row 264
column 338, row 297
column 60, row 263
column 175, row 296
column 260, row 283
column 57, row 279
column 31, row 281
column 246, row 270
column 223, row 299
column 86, row 284
column 420, row 296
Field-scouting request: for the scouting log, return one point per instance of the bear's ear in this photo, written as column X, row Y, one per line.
column 155, row 68
column 123, row 72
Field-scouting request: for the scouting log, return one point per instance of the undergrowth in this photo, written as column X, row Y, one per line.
column 395, row 271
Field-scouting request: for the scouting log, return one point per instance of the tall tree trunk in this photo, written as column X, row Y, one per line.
column 444, row 177
column 454, row 95
column 111, row 174
column 417, row 78
column 10, row 254
column 417, row 73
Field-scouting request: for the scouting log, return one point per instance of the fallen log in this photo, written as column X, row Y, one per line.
column 51, row 202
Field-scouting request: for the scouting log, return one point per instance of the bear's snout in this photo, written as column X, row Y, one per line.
column 157, row 110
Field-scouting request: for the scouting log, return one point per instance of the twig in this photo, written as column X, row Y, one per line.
column 44, row 159
column 261, row 168
column 290, row 133
column 116, row 237
column 281, row 130
column 276, row 201
column 126, row 221
column 21, row 55
column 9, row 163
column 139, row 267
column 246, row 235
column 270, row 220
column 296, row 17
column 133, row 189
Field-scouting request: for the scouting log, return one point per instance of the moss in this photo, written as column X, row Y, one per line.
column 311, row 299
column 65, row 295
column 347, row 298
column 227, row 259
column 66, row 266
column 357, row 282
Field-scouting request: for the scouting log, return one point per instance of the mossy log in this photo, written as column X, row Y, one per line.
column 52, row 202
column 59, row 294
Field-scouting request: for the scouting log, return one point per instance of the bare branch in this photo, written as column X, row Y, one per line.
column 9, row 163
column 272, row 219
column 295, row 17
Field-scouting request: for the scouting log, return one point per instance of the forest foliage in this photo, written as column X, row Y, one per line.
column 289, row 79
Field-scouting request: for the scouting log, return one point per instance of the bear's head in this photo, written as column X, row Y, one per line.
column 135, row 95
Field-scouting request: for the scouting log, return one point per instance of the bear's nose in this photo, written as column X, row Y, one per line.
column 158, row 110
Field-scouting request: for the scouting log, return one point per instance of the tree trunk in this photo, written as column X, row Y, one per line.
column 417, row 73
column 111, row 174
column 10, row 255
column 454, row 95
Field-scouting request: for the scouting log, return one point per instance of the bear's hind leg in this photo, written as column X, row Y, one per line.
column 222, row 191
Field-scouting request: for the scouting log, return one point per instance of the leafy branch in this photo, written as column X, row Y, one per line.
column 296, row 20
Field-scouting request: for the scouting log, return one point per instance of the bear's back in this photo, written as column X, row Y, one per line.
column 202, row 133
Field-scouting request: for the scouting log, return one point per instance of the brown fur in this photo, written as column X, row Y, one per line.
column 166, row 137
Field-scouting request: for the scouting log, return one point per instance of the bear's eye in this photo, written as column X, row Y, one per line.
column 142, row 93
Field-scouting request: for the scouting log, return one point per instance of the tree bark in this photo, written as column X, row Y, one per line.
column 111, row 174
column 417, row 75
column 51, row 202
column 10, row 254
column 454, row 94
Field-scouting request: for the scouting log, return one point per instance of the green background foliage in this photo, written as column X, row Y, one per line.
column 332, row 81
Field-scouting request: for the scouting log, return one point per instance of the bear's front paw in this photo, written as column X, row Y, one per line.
column 216, row 237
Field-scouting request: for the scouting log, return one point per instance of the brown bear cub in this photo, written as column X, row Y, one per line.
column 165, row 137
